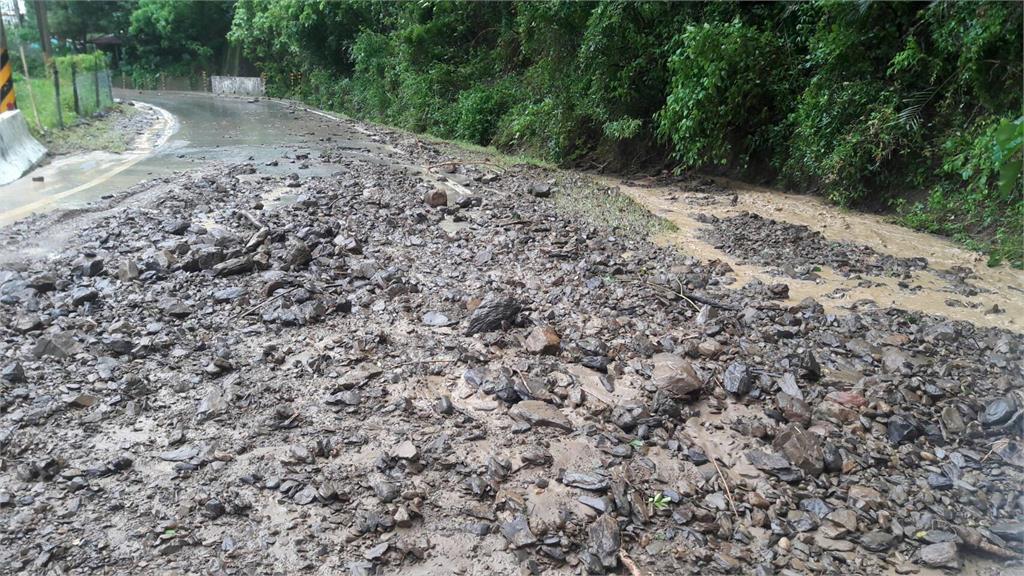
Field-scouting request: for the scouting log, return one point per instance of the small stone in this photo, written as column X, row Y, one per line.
column 405, row 451
column 538, row 413
column 444, row 406
column 902, row 428
column 539, row 189
column 434, row 318
column 305, row 496
column 492, row 313
column 939, row 482
column 675, row 375
column 952, row 422
column 585, row 481
column 877, row 541
column 543, row 340
column 435, row 198
column 377, row 551
column 941, row 555
column 517, row 532
column 1009, row 529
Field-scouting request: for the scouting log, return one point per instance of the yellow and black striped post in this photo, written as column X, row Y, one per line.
column 6, row 73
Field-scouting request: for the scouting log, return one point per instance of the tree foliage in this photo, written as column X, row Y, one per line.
column 178, row 36
column 863, row 102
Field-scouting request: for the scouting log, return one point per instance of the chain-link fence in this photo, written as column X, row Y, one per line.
column 53, row 96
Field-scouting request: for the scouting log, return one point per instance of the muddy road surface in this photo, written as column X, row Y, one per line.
column 360, row 352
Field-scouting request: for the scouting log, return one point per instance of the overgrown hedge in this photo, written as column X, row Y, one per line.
column 912, row 105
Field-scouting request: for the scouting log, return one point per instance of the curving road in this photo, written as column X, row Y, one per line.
column 194, row 128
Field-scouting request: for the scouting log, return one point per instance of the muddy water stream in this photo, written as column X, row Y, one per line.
column 929, row 292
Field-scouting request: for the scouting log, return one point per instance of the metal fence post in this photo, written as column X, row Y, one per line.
column 56, row 92
column 74, row 88
column 96, row 82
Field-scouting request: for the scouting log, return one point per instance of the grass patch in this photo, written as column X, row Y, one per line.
column 500, row 158
column 42, row 93
column 96, row 133
column 610, row 208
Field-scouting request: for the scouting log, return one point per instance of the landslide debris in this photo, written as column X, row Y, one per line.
column 359, row 378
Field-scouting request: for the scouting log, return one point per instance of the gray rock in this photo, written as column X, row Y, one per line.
column 902, row 428
column 605, row 540
column 539, row 413
column 234, row 266
column 1009, row 529
column 585, row 481
column 877, row 541
column 13, row 373
column 998, row 411
column 434, row 318
column 539, row 189
column 737, row 379
column 59, row 345
column 181, row 454
column 952, row 422
column 492, row 314
column 517, row 532
column 802, row 448
column 941, row 555
column 789, row 385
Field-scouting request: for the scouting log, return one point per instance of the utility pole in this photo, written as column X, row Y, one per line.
column 44, row 40
column 6, row 73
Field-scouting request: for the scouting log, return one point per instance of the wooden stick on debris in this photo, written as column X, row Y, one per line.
column 630, row 565
column 725, row 483
column 266, row 301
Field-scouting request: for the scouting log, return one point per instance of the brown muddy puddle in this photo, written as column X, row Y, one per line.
column 1002, row 286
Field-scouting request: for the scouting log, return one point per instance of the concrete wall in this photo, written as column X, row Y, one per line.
column 237, row 85
column 19, row 151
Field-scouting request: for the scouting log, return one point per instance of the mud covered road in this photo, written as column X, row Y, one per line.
column 367, row 353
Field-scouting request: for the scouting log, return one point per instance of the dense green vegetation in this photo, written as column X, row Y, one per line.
column 912, row 106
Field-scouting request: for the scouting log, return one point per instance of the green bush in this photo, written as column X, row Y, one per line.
column 867, row 103
column 728, row 88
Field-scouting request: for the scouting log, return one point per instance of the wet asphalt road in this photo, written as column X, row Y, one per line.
column 205, row 128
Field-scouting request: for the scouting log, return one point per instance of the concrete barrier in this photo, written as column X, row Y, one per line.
column 237, row 85
column 19, row 151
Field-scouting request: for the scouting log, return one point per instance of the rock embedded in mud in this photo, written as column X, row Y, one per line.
column 539, row 413
column 585, row 481
column 998, row 411
column 801, row 447
column 539, row 189
column 543, row 340
column 517, row 532
column 605, row 540
column 941, row 555
column 13, row 373
column 675, row 375
column 902, row 428
column 493, row 313
column 737, row 379
column 435, row 198
column 59, row 345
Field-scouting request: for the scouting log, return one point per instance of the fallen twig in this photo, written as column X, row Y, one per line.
column 725, row 483
column 428, row 361
column 277, row 296
column 630, row 565
column 458, row 162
